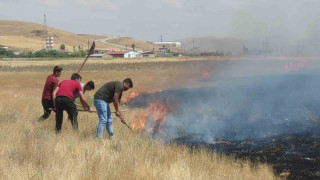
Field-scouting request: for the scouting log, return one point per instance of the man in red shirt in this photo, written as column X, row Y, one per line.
column 63, row 100
column 50, row 85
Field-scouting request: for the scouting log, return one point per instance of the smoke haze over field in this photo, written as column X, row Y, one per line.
column 244, row 106
column 291, row 26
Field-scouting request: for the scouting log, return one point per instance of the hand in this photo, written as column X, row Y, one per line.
column 118, row 114
column 90, row 109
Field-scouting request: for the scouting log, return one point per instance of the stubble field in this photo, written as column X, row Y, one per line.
column 31, row 150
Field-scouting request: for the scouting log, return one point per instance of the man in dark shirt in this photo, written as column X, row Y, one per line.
column 50, row 85
column 108, row 93
column 63, row 100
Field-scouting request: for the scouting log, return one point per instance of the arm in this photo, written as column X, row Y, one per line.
column 54, row 94
column 84, row 102
column 116, row 104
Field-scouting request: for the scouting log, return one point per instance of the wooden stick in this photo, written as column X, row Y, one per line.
column 91, row 51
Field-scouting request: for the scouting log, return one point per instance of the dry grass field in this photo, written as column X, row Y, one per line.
column 31, row 150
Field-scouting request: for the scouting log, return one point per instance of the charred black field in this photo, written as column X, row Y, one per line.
column 264, row 118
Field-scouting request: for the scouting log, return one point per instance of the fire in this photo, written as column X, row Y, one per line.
column 295, row 65
column 204, row 74
column 155, row 115
column 138, row 93
column 132, row 95
column 140, row 121
column 159, row 112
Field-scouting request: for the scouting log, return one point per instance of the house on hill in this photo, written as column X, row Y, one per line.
column 132, row 54
column 117, row 54
column 148, row 54
column 64, row 51
column 3, row 47
column 100, row 56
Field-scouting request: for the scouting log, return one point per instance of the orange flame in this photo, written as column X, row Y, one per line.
column 138, row 93
column 295, row 65
column 156, row 113
column 132, row 95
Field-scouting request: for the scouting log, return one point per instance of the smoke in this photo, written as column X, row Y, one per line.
column 243, row 104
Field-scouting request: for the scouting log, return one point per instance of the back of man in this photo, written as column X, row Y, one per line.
column 106, row 92
column 68, row 88
column 63, row 97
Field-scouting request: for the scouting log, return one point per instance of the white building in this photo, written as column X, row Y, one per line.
column 49, row 42
column 132, row 54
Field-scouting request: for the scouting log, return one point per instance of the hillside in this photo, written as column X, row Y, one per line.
column 27, row 36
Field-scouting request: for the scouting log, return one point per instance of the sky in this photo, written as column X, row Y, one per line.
column 283, row 22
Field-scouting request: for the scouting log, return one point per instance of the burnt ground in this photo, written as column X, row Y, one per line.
column 266, row 119
column 296, row 154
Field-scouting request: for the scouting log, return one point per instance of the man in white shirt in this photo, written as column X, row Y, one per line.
column 85, row 87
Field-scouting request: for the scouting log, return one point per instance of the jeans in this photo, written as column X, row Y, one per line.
column 105, row 117
column 65, row 103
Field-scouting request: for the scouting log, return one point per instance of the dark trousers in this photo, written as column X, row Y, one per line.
column 47, row 105
column 65, row 103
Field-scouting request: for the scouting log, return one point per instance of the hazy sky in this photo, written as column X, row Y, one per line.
column 283, row 20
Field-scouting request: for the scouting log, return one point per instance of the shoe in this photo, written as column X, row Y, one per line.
column 111, row 137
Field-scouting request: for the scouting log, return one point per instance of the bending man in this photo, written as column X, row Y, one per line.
column 108, row 93
column 63, row 98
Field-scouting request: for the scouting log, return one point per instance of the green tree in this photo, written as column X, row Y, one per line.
column 62, row 46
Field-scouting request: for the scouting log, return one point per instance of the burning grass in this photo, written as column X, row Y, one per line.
column 31, row 150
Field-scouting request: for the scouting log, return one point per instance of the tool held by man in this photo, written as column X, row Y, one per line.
column 83, row 110
column 91, row 51
column 124, row 122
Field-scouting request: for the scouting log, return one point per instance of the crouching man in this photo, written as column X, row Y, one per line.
column 108, row 93
column 63, row 100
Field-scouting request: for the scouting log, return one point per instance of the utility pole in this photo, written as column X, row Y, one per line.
column 88, row 44
column 44, row 26
column 193, row 44
column 161, row 38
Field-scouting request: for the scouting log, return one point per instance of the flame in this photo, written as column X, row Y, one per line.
column 295, row 65
column 155, row 115
column 132, row 95
column 204, row 74
column 160, row 113
column 138, row 93
column 140, row 121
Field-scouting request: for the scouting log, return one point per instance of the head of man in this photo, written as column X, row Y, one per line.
column 89, row 86
column 127, row 84
column 76, row 77
column 57, row 71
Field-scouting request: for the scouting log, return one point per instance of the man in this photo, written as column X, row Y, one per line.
column 63, row 100
column 85, row 87
column 50, row 85
column 109, row 92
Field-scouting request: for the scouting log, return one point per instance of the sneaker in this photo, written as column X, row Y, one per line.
column 111, row 137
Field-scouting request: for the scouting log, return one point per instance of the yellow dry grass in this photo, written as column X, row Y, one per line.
column 21, row 42
column 31, row 150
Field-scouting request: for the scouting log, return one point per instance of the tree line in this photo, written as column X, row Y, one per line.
column 41, row 54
